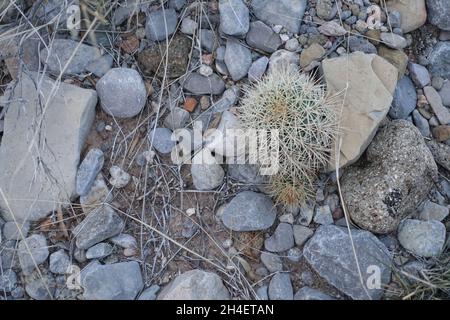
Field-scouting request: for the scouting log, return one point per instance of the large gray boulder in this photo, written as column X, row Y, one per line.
column 195, row 285
column 44, row 134
column 395, row 178
column 330, row 253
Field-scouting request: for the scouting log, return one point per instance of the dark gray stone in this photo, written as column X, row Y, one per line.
column 262, row 37
column 161, row 140
column 405, row 99
column 281, row 240
column 307, row 293
column 330, row 253
column 99, row 251
column 159, row 22
column 361, row 44
column 440, row 60
column 60, row 262
column 198, row 84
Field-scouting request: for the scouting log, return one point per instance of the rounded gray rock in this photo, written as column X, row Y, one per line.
column 249, row 211
column 122, row 92
column 32, row 251
column 234, row 17
column 280, row 287
column 161, row 139
column 422, row 238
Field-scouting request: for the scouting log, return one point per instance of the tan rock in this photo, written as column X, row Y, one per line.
column 413, row 13
column 313, row 52
column 397, row 58
column 40, row 151
column 371, row 83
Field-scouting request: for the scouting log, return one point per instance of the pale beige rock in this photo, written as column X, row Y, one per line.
column 40, row 151
column 413, row 13
column 371, row 83
column 313, row 52
column 195, row 285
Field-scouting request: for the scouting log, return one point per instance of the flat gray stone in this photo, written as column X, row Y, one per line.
column 249, row 211
column 88, row 170
column 15, row 231
column 195, row 285
column 281, row 240
column 43, row 173
column 32, row 251
column 176, row 119
column 238, row 59
column 330, row 254
column 118, row 281
column 100, row 66
column 288, row 13
column 200, row 85
column 323, row 215
column 435, row 101
column 99, row 251
column 280, row 287
column 234, row 17
column 405, row 99
column 445, row 93
column 422, row 238
column 122, row 92
column 99, row 225
column 60, row 53
column 393, row 40
column 161, row 24
column 421, row 123
column 301, row 234
column 149, row 293
column 262, row 37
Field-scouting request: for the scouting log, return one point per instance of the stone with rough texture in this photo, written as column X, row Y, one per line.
column 99, row 225
column 32, row 251
column 271, row 261
column 98, row 194
column 152, row 60
column 441, row 153
column 8, row 280
column 42, row 173
column 161, row 24
column 393, row 40
column 307, row 293
column 397, row 58
column 360, row 44
column 301, row 234
column 258, row 68
column 364, row 106
column 119, row 177
column 310, row 54
column 283, row 59
column 238, row 59
column 60, row 53
column 198, row 84
column 326, row 9
column 60, row 262
column 413, row 13
column 405, row 99
column 330, row 254
column 99, row 251
column 280, row 287
column 332, row 29
column 323, row 215
column 249, row 211
column 281, row 240
column 422, row 238
column 439, row 13
column 15, row 231
column 122, row 92
column 88, row 170
column 288, row 13
column 100, row 66
column 118, row 281
column 439, row 60
column 395, row 178
column 161, row 140
column 234, row 17
column 195, row 285
column 149, row 293
column 262, row 37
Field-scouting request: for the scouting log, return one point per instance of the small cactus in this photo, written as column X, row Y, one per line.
column 307, row 121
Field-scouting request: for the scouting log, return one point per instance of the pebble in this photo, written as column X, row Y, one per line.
column 438, row 59
column 8, row 280
column 88, row 170
column 238, row 59
column 287, row 13
column 125, row 241
column 405, row 99
column 15, row 230
column 361, row 44
column 206, row 173
column 393, row 40
column 422, row 238
column 198, row 84
column 307, row 293
column 161, row 140
column 445, row 93
column 234, row 17
column 282, row 59
column 421, row 123
column 439, row 13
column 262, row 37
column 32, row 251
column 122, row 92
column 306, row 214
column 281, row 240
column 301, row 234
column 149, row 293
column 280, row 287
column 99, row 225
column 161, row 24
column 99, row 251
column 271, row 261
column 419, row 74
column 310, row 54
column 188, row 26
column 433, row 211
column 258, row 68
column 323, row 215
column 119, row 178
column 332, row 29
column 294, row 254
column 249, row 211
column 435, row 101
column 100, row 66
column 176, row 119
column 59, row 262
